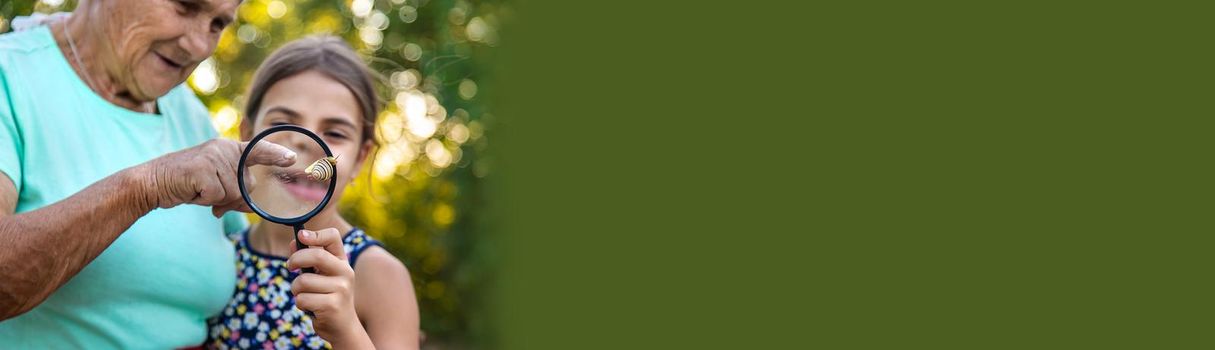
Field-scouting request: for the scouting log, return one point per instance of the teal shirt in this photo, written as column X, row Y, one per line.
column 156, row 285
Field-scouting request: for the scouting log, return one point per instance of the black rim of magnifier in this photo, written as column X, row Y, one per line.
column 240, row 175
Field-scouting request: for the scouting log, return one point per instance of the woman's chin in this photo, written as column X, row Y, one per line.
column 153, row 88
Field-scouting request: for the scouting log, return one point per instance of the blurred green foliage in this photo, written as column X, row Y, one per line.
column 422, row 192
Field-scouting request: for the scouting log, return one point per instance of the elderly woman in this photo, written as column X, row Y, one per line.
column 113, row 182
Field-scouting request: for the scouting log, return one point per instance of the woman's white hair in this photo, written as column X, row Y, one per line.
column 38, row 19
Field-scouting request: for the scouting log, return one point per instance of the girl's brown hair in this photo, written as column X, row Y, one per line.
column 327, row 55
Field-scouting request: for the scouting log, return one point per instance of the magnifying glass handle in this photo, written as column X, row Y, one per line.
column 300, row 245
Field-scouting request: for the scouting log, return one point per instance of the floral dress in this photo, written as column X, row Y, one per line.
column 262, row 312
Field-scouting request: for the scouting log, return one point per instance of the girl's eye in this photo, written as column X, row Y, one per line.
column 336, row 135
column 279, row 123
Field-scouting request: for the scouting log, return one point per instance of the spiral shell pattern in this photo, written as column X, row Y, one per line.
column 322, row 169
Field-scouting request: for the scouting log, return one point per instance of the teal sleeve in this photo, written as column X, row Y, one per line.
column 234, row 222
column 10, row 136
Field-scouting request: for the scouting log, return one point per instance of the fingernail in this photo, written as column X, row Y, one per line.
column 307, row 234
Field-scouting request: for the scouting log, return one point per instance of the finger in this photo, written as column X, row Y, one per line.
column 294, row 248
column 249, row 180
column 321, row 260
column 229, row 203
column 268, row 153
column 210, row 191
column 240, row 206
column 316, row 303
column 319, row 284
column 329, row 239
column 231, row 190
column 219, row 211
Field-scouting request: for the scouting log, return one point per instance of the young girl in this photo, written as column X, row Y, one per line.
column 360, row 296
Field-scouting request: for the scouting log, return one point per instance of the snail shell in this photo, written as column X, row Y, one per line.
column 322, row 169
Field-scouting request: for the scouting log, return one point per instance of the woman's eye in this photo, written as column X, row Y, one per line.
column 279, row 123
column 185, row 7
column 217, row 26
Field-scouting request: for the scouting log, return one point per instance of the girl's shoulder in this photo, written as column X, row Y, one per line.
column 384, row 295
column 379, row 277
column 375, row 258
column 356, row 242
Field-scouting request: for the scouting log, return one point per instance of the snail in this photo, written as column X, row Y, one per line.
column 322, row 169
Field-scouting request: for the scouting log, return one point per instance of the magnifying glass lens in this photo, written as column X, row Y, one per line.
column 292, row 191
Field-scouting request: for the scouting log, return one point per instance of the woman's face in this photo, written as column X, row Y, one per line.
column 156, row 44
column 324, row 106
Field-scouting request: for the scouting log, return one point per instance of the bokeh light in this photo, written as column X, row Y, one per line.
column 204, row 78
column 412, row 52
column 361, row 8
column 276, row 9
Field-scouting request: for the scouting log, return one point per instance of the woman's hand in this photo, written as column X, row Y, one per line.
column 329, row 292
column 206, row 174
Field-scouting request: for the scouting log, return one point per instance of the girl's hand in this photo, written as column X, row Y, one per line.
column 328, row 293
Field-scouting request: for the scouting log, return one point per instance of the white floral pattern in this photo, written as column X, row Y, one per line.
column 262, row 313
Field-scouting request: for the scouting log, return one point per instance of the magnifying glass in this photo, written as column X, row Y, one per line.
column 289, row 195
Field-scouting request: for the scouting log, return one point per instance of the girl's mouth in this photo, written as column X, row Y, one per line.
column 299, row 185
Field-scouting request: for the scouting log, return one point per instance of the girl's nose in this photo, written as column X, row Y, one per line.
column 305, row 146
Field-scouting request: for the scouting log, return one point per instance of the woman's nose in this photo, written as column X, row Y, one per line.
column 198, row 42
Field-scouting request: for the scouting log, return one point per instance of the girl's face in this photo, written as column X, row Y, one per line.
column 324, row 106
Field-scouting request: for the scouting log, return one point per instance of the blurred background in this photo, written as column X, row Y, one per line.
column 423, row 191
